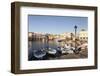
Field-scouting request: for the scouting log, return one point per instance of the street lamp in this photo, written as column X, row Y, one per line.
column 75, row 35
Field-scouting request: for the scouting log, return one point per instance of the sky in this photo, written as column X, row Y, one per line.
column 56, row 24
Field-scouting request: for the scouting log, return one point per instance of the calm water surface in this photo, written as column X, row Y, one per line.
column 36, row 45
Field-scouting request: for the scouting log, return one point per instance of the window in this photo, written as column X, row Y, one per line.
column 83, row 37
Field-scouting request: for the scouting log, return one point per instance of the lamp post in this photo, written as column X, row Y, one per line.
column 75, row 35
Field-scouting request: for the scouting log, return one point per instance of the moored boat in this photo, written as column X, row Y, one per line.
column 39, row 54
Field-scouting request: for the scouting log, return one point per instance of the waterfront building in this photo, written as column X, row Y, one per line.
column 83, row 35
column 67, row 35
column 36, row 36
column 30, row 34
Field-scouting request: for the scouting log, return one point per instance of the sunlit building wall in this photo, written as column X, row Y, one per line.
column 83, row 35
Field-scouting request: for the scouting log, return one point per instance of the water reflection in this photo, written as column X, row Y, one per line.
column 36, row 45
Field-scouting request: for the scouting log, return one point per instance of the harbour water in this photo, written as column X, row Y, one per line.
column 36, row 45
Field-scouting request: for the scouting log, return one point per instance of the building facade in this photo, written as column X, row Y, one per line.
column 83, row 35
